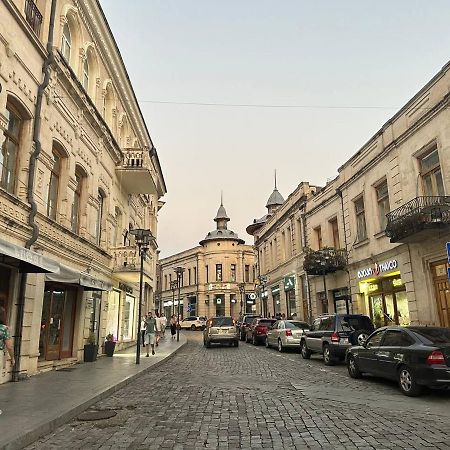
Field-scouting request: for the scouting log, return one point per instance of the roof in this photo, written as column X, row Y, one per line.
column 222, row 235
column 221, row 214
column 275, row 199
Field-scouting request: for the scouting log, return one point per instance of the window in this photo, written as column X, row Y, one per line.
column 361, row 230
column 66, row 42
column 233, row 272
column 383, row 203
column 335, row 233
column 165, row 283
column 170, row 279
column 195, row 275
column 326, row 324
column 247, row 273
column 288, row 242
column 189, row 277
column 430, row 170
column 98, row 228
column 76, row 206
column 207, row 274
column 397, row 339
column 86, row 75
column 318, row 233
column 10, row 150
column 53, row 186
column 218, row 272
column 375, row 339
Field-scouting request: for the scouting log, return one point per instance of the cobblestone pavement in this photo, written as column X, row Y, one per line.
column 250, row 397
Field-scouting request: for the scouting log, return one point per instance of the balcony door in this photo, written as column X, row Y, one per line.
column 442, row 291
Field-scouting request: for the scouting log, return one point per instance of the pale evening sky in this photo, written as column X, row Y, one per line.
column 345, row 53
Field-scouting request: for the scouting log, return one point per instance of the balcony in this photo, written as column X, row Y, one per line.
column 419, row 219
column 33, row 16
column 136, row 173
column 324, row 261
column 127, row 264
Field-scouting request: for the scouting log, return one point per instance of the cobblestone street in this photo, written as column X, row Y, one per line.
column 250, row 397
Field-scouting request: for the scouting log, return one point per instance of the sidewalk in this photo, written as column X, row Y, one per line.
column 35, row 407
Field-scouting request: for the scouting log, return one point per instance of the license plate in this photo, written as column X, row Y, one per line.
column 344, row 340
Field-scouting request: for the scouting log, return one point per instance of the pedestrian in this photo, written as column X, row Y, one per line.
column 5, row 341
column 143, row 331
column 158, row 327
column 150, row 325
column 283, row 316
column 173, row 326
column 163, row 324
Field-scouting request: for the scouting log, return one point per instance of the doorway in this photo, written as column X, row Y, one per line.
column 389, row 309
column 442, row 291
column 220, row 306
column 57, row 323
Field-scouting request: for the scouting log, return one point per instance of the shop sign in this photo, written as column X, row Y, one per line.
column 219, row 286
column 251, row 296
column 289, row 283
column 275, row 290
column 124, row 287
column 377, row 269
column 219, row 301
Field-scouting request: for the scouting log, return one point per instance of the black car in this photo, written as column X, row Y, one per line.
column 332, row 334
column 414, row 356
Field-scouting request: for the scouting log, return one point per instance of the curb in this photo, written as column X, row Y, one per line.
column 31, row 436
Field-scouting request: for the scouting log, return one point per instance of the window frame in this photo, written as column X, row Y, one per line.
column 431, row 172
column 360, row 214
column 233, row 272
column 319, row 238
column 335, row 232
column 382, row 200
column 66, row 43
column 219, row 272
column 85, row 80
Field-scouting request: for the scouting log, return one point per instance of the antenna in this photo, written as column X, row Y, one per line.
column 221, row 198
column 275, row 178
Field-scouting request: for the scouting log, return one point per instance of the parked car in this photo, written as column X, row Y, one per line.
column 221, row 330
column 244, row 323
column 193, row 323
column 332, row 334
column 257, row 331
column 286, row 333
column 414, row 356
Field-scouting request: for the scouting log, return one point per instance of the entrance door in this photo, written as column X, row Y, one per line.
column 57, row 324
column 220, row 306
column 442, row 292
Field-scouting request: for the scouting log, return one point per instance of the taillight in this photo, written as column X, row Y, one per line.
column 288, row 332
column 260, row 329
column 435, row 358
column 335, row 337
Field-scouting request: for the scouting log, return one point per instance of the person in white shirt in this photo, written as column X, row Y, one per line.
column 158, row 328
column 163, row 324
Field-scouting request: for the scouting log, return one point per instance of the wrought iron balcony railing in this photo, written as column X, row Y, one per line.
column 33, row 16
column 417, row 215
column 324, row 261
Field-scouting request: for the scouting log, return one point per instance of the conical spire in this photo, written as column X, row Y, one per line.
column 275, row 199
column 221, row 213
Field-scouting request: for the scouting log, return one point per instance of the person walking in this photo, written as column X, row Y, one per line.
column 150, row 325
column 158, row 328
column 173, row 326
column 6, row 342
column 143, row 331
column 163, row 324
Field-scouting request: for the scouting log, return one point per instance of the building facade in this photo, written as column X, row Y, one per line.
column 218, row 277
column 78, row 173
column 375, row 236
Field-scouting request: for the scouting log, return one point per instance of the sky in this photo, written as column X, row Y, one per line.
column 347, row 66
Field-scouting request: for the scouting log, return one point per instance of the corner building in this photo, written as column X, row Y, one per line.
column 218, row 277
column 78, row 172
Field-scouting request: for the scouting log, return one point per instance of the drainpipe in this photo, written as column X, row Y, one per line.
column 339, row 193
column 30, row 190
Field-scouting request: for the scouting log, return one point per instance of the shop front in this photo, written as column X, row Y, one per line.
column 250, row 303
column 384, row 294
column 276, row 299
column 289, row 291
column 219, row 302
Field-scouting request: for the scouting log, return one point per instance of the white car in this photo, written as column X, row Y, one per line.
column 286, row 333
column 193, row 323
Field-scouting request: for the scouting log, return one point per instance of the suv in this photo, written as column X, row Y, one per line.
column 244, row 323
column 221, row 330
column 193, row 323
column 332, row 334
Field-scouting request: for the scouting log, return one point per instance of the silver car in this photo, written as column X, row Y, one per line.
column 221, row 330
column 286, row 334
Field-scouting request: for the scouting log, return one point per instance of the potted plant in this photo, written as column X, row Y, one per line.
column 90, row 349
column 110, row 344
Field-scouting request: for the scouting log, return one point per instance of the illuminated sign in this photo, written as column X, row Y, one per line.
column 377, row 269
column 397, row 282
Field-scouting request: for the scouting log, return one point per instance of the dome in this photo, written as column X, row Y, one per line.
column 275, row 199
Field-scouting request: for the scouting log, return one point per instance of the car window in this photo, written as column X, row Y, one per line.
column 358, row 322
column 315, row 325
column 295, row 325
column 249, row 319
column 395, row 338
column 221, row 322
column 266, row 323
column 434, row 335
column 374, row 340
column 326, row 324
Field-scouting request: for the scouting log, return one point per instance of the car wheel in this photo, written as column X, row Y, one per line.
column 353, row 369
column 327, row 358
column 359, row 337
column 280, row 346
column 407, row 382
column 193, row 327
column 254, row 341
column 267, row 343
column 306, row 353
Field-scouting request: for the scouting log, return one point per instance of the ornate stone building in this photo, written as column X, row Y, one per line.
column 78, row 172
column 218, row 277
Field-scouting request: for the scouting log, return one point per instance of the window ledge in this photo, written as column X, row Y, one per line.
column 361, row 243
column 380, row 234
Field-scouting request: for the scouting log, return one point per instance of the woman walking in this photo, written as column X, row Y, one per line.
column 5, row 341
column 173, row 326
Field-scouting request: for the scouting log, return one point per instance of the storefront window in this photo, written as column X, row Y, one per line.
column 112, row 317
column 128, row 317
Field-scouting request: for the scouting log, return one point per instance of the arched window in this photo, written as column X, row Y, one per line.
column 66, row 42
column 10, row 149
column 77, row 198
column 86, row 75
column 98, row 227
column 53, row 185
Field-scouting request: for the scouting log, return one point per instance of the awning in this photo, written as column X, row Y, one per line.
column 25, row 260
column 71, row 276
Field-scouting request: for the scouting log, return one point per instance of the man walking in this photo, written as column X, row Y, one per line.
column 158, row 328
column 150, row 326
column 163, row 324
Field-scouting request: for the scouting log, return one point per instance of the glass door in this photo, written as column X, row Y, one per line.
column 377, row 310
column 220, row 306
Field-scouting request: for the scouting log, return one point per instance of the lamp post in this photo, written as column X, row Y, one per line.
column 143, row 238
column 173, row 287
column 242, row 290
column 179, row 271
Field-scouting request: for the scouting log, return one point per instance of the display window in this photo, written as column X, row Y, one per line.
column 112, row 317
column 128, row 317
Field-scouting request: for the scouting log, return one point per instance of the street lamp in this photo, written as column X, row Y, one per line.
column 241, row 290
column 173, row 287
column 143, row 238
column 179, row 271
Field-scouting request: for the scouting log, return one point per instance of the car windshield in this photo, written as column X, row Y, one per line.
column 434, row 335
column 292, row 325
column 249, row 319
column 221, row 322
column 357, row 322
column 266, row 323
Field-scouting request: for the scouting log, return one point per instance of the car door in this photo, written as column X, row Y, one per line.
column 271, row 334
column 367, row 359
column 391, row 352
column 313, row 341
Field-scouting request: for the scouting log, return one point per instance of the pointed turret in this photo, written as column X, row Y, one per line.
column 275, row 199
